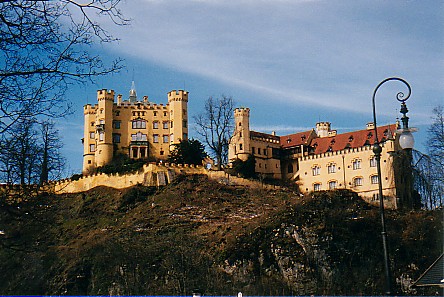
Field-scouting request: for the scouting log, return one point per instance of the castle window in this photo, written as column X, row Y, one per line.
column 165, row 139
column 161, row 153
column 316, row 187
column 139, row 124
column 138, row 137
column 101, row 111
column 240, row 124
column 240, row 133
column 89, row 162
column 165, row 125
column 265, row 151
column 171, row 124
column 155, row 125
column 288, row 140
column 373, row 162
column 164, row 113
column 93, row 124
column 171, row 137
column 357, row 181
column 350, row 139
column 356, row 164
column 240, row 147
column 101, row 136
column 331, row 168
column 156, row 138
column 374, row 179
column 117, row 113
column 185, row 136
column 316, row 170
column 185, row 124
column 253, row 150
column 332, row 185
column 92, row 135
column 92, row 148
column 155, row 113
column 116, row 124
column 116, row 138
column 290, row 168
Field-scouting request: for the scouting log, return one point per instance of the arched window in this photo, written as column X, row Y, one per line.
column 357, row 181
column 332, row 185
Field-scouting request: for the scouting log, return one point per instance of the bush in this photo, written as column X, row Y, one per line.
column 245, row 168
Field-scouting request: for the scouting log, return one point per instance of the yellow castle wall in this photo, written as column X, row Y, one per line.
column 345, row 173
column 164, row 126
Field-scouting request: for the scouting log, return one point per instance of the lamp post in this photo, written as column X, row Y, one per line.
column 406, row 142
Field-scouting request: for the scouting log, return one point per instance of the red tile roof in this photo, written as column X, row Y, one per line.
column 351, row 139
column 297, row 139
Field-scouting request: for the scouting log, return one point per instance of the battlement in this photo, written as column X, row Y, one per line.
column 105, row 94
column 323, row 129
column 178, row 95
column 242, row 111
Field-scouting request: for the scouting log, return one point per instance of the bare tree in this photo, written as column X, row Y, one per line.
column 215, row 126
column 435, row 149
column 51, row 162
column 21, row 153
column 44, row 48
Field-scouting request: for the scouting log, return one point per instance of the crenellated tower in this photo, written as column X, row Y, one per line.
column 240, row 142
column 178, row 109
column 104, row 127
column 322, row 129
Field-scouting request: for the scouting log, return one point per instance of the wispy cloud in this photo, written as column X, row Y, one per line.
column 324, row 53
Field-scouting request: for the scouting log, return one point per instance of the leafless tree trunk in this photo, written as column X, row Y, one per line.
column 52, row 162
column 215, row 126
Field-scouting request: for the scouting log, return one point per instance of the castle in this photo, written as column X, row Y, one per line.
column 320, row 159
column 137, row 128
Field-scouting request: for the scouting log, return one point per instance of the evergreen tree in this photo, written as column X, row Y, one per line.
column 190, row 151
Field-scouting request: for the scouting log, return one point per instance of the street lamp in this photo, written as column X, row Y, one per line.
column 406, row 141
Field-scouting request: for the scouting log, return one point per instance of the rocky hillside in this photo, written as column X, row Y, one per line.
column 196, row 234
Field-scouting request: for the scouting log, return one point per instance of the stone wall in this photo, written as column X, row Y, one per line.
column 149, row 175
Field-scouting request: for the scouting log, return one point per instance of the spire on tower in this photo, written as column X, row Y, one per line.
column 132, row 93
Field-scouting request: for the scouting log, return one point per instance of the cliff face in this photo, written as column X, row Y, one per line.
column 196, row 234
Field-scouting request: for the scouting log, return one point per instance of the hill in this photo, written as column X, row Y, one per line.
column 196, row 234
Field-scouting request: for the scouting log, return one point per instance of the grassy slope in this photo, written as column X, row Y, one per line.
column 197, row 234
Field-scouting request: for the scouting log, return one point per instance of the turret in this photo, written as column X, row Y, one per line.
column 240, row 142
column 89, row 138
column 322, row 129
column 178, row 102
column 104, row 127
column 132, row 93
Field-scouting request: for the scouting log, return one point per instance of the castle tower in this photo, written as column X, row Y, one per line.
column 322, row 129
column 178, row 103
column 104, row 127
column 89, row 139
column 240, row 147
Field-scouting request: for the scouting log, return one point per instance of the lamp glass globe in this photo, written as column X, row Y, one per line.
column 406, row 140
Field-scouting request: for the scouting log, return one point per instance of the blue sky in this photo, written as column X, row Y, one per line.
column 293, row 63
